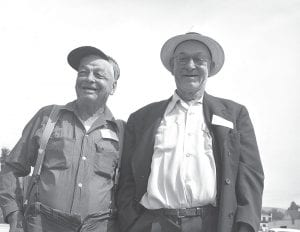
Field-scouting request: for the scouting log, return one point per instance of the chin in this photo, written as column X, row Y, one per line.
column 192, row 86
column 88, row 98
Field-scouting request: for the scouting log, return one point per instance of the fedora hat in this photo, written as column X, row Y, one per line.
column 77, row 54
column 216, row 51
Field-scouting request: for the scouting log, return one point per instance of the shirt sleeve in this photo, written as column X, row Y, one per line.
column 18, row 164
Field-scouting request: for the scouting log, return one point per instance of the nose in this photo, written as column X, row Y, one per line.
column 90, row 77
column 191, row 64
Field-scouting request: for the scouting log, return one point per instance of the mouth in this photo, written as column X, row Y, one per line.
column 89, row 88
column 190, row 75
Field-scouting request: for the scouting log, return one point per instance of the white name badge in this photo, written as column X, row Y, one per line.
column 109, row 134
column 217, row 120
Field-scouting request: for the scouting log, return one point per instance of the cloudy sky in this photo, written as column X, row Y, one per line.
column 261, row 40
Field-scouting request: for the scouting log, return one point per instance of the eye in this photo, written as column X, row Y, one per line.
column 183, row 60
column 99, row 75
column 200, row 61
column 82, row 73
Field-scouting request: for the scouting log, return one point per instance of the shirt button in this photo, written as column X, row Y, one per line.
column 79, row 185
column 229, row 154
column 227, row 181
column 188, row 155
column 189, row 134
column 83, row 158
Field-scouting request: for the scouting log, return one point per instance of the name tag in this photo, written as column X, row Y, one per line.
column 217, row 120
column 109, row 134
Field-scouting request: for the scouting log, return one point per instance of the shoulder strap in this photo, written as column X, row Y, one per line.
column 53, row 117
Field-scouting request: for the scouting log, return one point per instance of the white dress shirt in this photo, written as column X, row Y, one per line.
column 183, row 170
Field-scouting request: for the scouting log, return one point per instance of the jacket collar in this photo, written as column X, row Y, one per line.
column 212, row 106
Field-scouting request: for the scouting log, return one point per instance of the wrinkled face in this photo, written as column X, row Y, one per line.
column 192, row 60
column 95, row 79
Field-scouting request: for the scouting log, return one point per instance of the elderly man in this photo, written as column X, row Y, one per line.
column 74, row 190
column 190, row 163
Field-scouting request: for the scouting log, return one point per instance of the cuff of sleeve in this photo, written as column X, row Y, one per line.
column 243, row 227
column 243, row 217
column 8, row 209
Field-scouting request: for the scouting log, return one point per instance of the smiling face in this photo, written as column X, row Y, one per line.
column 95, row 79
column 191, row 68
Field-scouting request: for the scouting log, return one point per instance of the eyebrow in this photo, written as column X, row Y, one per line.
column 93, row 68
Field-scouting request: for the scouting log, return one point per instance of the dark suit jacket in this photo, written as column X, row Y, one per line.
column 239, row 170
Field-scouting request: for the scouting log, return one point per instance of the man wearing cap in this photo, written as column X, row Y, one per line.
column 190, row 163
column 74, row 191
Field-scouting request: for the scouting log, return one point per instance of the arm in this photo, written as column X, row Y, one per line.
column 18, row 163
column 127, row 213
column 250, row 179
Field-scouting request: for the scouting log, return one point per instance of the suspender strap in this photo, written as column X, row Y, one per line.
column 45, row 138
column 53, row 117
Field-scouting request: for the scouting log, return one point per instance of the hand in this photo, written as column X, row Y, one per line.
column 15, row 220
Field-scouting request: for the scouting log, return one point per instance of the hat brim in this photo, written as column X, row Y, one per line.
column 217, row 53
column 77, row 54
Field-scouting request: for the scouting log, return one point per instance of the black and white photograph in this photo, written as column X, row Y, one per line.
column 150, row 116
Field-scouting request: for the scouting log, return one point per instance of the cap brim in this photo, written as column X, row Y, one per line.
column 77, row 54
column 214, row 47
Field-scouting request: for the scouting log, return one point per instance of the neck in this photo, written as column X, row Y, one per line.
column 190, row 97
column 89, row 109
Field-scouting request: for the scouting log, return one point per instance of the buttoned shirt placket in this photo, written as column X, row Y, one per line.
column 190, row 123
column 83, row 159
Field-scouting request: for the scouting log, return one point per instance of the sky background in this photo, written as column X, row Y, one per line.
column 261, row 40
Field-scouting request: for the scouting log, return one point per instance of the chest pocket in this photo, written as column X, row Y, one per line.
column 59, row 151
column 106, row 157
column 167, row 136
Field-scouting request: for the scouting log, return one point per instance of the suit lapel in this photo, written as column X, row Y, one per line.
column 212, row 106
column 145, row 149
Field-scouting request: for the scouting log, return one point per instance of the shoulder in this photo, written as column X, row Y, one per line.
column 45, row 110
column 227, row 104
column 224, row 101
column 151, row 109
column 43, row 114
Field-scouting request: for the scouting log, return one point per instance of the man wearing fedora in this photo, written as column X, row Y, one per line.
column 190, row 163
column 74, row 189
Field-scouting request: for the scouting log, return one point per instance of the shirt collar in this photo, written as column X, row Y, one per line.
column 176, row 99
column 106, row 116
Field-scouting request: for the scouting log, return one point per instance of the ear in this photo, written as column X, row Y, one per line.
column 113, row 87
